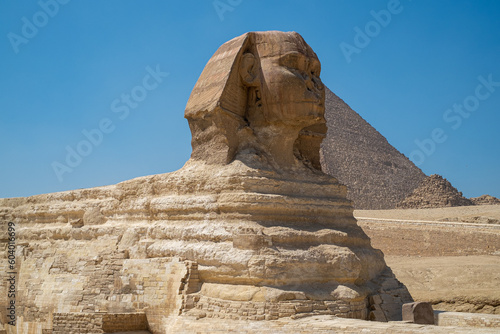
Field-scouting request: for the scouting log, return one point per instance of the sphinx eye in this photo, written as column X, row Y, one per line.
column 290, row 60
column 294, row 60
column 315, row 69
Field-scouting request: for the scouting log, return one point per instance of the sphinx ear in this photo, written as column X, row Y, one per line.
column 249, row 70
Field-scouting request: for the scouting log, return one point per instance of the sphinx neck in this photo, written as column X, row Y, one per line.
column 278, row 141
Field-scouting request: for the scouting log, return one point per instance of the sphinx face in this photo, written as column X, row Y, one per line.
column 259, row 91
column 292, row 91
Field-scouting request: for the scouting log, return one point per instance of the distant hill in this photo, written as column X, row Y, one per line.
column 377, row 175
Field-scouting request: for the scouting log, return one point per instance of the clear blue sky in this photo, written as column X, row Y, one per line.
column 66, row 69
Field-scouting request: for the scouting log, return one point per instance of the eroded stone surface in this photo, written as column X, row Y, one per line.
column 418, row 313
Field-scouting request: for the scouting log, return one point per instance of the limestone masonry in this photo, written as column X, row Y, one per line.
column 249, row 229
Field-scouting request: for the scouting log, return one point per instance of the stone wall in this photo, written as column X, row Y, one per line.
column 80, row 276
column 236, row 310
column 431, row 239
column 82, row 323
column 385, row 305
column 77, row 323
column 122, row 322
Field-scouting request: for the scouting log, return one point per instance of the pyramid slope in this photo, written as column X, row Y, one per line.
column 434, row 192
column 376, row 174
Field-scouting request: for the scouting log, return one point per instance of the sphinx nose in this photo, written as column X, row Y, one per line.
column 314, row 84
column 318, row 84
column 309, row 83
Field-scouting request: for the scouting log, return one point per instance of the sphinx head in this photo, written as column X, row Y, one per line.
column 259, row 99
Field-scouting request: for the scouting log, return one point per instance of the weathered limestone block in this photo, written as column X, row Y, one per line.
column 388, row 297
column 93, row 216
column 418, row 313
column 96, row 323
column 251, row 241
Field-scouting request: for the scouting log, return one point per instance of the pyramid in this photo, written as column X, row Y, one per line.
column 376, row 174
column 485, row 200
column 434, row 192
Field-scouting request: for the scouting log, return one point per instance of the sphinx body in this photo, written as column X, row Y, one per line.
column 250, row 220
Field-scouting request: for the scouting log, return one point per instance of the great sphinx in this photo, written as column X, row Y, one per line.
column 249, row 228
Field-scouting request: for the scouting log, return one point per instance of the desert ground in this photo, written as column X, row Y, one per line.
column 465, row 279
